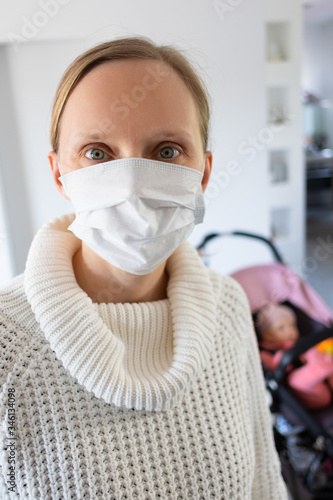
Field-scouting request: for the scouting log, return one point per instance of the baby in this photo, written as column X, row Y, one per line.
column 313, row 382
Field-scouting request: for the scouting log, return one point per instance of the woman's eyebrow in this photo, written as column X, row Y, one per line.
column 159, row 136
column 87, row 136
column 171, row 135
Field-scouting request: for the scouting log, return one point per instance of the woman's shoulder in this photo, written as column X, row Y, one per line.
column 13, row 298
column 228, row 290
column 14, row 305
column 233, row 310
column 17, row 325
column 14, row 284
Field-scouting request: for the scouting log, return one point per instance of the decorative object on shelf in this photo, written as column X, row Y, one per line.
column 278, row 105
column 275, row 52
column 277, row 41
column 280, row 222
column 278, row 116
column 278, row 167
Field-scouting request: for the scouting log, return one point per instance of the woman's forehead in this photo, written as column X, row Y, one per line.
column 131, row 81
column 125, row 95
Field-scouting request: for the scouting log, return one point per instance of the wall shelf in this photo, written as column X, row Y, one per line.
column 278, row 105
column 278, row 73
column 280, row 222
column 279, row 167
column 278, row 41
column 285, row 169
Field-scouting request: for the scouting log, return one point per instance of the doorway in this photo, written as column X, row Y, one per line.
column 317, row 86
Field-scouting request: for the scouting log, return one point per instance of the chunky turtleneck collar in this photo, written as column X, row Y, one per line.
column 139, row 356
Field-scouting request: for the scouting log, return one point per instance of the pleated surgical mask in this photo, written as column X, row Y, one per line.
column 135, row 212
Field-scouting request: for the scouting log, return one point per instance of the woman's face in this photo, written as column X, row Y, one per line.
column 130, row 108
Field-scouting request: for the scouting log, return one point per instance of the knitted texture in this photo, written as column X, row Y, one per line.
column 93, row 353
column 181, row 415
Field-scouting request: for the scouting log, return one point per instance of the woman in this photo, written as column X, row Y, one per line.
column 131, row 370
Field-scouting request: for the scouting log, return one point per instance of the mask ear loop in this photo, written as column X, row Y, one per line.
column 60, row 179
column 203, row 167
column 59, row 170
column 60, row 167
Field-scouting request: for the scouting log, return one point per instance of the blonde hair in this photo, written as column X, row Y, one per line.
column 130, row 48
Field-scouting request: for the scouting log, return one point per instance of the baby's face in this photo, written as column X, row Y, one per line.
column 282, row 332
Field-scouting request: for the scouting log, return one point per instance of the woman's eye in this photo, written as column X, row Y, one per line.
column 96, row 154
column 168, row 152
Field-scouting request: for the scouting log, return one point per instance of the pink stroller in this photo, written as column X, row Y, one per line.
column 304, row 438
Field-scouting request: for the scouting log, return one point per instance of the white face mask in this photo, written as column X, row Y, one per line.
column 135, row 212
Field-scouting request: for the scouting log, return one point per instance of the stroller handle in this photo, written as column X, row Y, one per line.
column 211, row 236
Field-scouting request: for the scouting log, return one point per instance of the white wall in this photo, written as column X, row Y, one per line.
column 6, row 268
column 287, row 197
column 14, row 200
column 229, row 47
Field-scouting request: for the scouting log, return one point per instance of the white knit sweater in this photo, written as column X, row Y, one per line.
column 152, row 400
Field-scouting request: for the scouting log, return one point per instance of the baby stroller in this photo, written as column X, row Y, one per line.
column 303, row 438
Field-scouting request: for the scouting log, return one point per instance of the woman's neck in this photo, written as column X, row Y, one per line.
column 103, row 282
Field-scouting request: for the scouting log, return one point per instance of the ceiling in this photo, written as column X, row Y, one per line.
column 317, row 11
